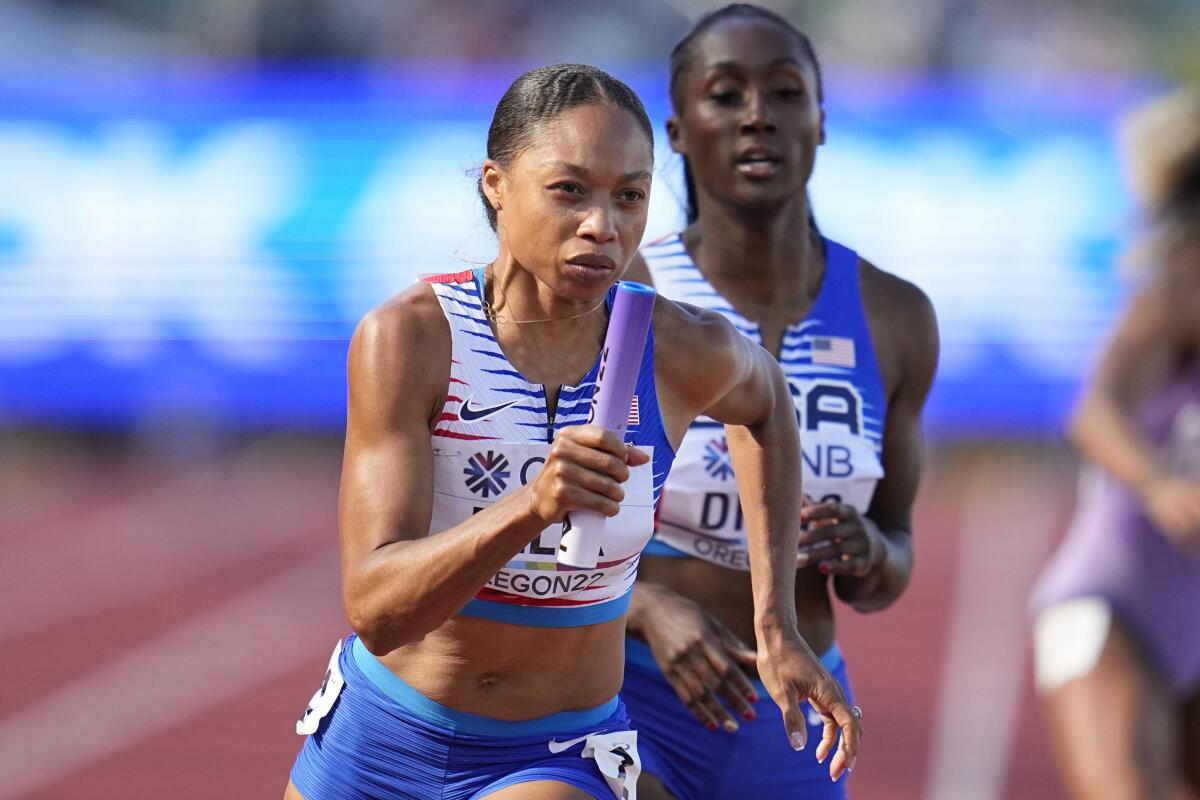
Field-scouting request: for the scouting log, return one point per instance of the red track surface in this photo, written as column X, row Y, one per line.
column 165, row 621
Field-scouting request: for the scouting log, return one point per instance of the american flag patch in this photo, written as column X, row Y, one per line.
column 834, row 351
column 634, row 417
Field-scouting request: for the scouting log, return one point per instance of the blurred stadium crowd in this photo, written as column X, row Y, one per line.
column 1021, row 39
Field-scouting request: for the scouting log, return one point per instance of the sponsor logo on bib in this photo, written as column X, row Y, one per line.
column 716, row 459
column 487, row 473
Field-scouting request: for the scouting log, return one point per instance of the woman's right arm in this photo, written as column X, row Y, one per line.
column 400, row 582
column 699, row 657
column 1146, row 347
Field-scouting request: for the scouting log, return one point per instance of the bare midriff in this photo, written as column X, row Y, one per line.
column 514, row 672
column 726, row 594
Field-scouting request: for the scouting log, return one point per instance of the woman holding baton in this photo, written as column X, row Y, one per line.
column 480, row 666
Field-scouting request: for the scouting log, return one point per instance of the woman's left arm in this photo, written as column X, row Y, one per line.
column 871, row 555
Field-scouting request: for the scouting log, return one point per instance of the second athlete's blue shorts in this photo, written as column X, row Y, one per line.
column 695, row 763
column 383, row 739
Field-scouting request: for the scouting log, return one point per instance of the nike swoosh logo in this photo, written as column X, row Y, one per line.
column 557, row 747
column 474, row 414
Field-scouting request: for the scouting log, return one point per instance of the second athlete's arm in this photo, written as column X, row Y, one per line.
column 913, row 330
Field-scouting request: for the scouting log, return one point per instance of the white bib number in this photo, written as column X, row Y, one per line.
column 616, row 755
column 325, row 696
column 475, row 475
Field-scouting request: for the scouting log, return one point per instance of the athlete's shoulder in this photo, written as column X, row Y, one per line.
column 412, row 313
column 1159, row 322
column 699, row 358
column 693, row 340
column 896, row 295
column 1174, row 294
column 405, row 335
column 902, row 315
column 684, row 323
column 899, row 303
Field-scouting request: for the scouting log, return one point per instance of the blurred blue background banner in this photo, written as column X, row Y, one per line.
column 199, row 245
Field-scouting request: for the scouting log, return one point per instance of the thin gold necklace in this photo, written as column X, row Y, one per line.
column 501, row 319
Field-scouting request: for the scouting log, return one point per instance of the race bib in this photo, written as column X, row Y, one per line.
column 702, row 513
column 472, row 477
column 323, row 700
column 616, row 755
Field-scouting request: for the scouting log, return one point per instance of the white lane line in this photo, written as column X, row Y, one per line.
column 250, row 639
column 207, row 518
column 1009, row 509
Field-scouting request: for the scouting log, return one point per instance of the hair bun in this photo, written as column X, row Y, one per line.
column 1160, row 142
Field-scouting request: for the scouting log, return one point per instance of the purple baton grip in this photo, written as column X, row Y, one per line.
column 620, row 362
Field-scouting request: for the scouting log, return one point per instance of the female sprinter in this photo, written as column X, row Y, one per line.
column 1117, row 639
column 479, row 668
column 859, row 347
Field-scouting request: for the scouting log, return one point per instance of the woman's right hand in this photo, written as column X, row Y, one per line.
column 701, row 659
column 584, row 470
column 1173, row 505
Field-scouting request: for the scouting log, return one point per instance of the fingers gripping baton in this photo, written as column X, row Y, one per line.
column 620, row 361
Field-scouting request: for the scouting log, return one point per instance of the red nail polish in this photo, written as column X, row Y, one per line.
column 825, row 569
column 753, row 698
column 749, row 716
column 712, row 726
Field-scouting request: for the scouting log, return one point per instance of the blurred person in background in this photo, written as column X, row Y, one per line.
column 479, row 668
column 1117, row 637
column 859, row 347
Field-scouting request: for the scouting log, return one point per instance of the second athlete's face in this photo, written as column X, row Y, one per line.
column 750, row 119
column 574, row 202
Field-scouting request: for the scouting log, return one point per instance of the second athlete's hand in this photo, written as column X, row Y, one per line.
column 840, row 541
column 701, row 658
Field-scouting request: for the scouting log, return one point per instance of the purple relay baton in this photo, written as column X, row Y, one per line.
column 620, row 361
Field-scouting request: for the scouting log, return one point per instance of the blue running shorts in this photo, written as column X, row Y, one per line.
column 695, row 763
column 380, row 738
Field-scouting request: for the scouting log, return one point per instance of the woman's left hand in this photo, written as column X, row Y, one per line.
column 840, row 541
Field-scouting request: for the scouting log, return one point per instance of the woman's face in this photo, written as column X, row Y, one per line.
column 573, row 204
column 751, row 118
